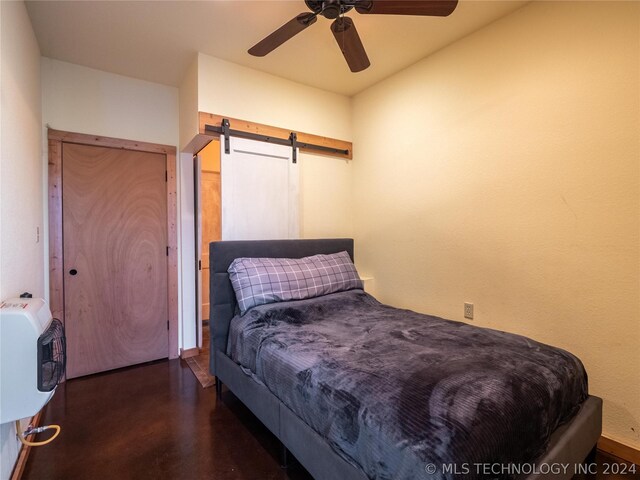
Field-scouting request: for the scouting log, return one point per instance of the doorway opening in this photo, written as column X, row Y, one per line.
column 208, row 202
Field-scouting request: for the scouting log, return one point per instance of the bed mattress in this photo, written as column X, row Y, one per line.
column 403, row 395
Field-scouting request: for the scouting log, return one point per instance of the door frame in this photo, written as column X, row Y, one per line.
column 197, row 226
column 56, row 261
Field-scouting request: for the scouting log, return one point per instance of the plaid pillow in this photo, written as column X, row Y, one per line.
column 258, row 281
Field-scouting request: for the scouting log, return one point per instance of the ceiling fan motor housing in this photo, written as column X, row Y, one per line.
column 329, row 8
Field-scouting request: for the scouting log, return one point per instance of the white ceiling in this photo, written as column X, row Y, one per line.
column 157, row 40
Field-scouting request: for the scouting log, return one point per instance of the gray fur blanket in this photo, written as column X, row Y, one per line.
column 393, row 391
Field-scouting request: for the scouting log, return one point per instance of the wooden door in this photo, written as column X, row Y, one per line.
column 210, row 214
column 115, row 257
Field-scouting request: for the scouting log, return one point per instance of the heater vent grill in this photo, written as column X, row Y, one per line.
column 52, row 354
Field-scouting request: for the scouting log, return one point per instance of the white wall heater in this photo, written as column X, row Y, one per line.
column 32, row 357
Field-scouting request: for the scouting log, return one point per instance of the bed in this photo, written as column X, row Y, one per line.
column 337, row 391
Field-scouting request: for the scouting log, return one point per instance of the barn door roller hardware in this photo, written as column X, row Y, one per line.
column 226, row 131
column 293, row 138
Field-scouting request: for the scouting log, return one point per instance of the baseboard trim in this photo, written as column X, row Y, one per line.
column 189, row 352
column 620, row 450
column 21, row 462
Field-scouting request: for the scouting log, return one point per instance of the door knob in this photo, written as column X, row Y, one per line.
column 73, row 271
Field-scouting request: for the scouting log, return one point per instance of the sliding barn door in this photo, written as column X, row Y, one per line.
column 259, row 191
column 115, row 257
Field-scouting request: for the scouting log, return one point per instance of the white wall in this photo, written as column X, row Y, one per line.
column 187, row 252
column 504, row 170
column 228, row 89
column 232, row 90
column 188, row 94
column 21, row 176
column 85, row 100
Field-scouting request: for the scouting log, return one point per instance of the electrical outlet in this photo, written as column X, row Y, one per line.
column 37, row 234
column 468, row 310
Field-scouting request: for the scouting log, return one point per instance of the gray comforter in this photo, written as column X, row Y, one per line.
column 394, row 391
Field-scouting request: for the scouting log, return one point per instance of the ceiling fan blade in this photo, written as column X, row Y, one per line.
column 284, row 33
column 349, row 42
column 433, row 8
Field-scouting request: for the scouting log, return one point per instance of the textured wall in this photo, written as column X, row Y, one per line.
column 504, row 170
column 21, row 177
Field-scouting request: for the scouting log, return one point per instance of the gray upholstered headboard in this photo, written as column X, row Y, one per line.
column 223, row 298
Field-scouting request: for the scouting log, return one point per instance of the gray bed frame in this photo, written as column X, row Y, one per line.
column 572, row 443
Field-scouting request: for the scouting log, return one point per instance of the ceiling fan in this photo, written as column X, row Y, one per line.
column 343, row 28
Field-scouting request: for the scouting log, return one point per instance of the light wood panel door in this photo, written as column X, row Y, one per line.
column 210, row 215
column 115, row 257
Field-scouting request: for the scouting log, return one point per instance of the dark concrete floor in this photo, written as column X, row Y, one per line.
column 155, row 421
